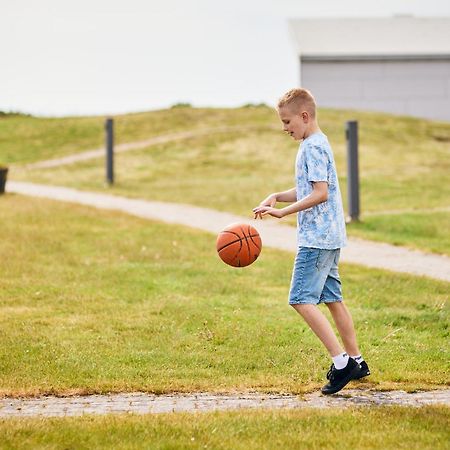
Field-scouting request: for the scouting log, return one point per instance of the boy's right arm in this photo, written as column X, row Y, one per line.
column 288, row 196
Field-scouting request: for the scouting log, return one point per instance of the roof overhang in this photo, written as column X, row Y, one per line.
column 376, row 38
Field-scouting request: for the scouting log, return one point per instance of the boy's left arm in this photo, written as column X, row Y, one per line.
column 317, row 196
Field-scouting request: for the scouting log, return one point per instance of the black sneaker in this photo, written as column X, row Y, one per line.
column 339, row 378
column 363, row 372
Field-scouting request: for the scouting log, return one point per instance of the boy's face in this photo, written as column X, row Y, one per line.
column 295, row 123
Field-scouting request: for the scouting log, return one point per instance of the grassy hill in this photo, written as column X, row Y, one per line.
column 404, row 163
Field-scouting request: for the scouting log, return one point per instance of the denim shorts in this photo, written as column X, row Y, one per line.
column 315, row 278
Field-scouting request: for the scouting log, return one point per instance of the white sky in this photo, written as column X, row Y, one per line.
column 70, row 57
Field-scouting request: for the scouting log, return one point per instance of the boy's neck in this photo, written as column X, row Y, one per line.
column 312, row 129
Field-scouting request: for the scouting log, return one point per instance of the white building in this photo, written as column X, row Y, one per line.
column 398, row 65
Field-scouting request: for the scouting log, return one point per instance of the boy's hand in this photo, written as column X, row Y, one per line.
column 264, row 210
column 269, row 201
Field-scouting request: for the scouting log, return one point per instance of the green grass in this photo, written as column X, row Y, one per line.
column 404, row 163
column 94, row 301
column 429, row 231
column 361, row 428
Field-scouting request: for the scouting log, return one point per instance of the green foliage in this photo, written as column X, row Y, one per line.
column 181, row 105
column 4, row 114
column 255, row 105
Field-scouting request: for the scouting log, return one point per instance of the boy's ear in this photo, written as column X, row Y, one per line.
column 305, row 116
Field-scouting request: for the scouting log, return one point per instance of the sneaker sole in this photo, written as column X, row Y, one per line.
column 365, row 374
column 350, row 377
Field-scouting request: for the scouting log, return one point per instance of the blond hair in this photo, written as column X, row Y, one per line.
column 298, row 100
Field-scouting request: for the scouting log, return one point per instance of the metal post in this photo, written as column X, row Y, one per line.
column 351, row 133
column 109, row 127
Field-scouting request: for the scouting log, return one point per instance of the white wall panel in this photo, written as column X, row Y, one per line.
column 418, row 88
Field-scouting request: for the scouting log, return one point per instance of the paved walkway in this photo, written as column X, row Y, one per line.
column 141, row 403
column 273, row 233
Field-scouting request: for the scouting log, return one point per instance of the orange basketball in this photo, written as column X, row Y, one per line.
column 238, row 245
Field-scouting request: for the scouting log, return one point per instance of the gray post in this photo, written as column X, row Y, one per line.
column 351, row 133
column 109, row 127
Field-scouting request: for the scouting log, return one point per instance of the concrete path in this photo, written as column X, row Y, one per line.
column 273, row 233
column 161, row 139
column 142, row 403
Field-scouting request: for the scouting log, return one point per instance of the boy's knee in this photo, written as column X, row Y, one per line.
column 300, row 307
column 335, row 305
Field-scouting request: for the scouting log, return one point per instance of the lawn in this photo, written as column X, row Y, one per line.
column 94, row 301
column 375, row 428
column 404, row 164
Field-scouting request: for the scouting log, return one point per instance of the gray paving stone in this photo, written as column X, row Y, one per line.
column 141, row 403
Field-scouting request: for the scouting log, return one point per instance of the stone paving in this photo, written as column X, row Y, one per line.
column 141, row 403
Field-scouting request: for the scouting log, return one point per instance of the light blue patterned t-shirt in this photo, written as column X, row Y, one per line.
column 323, row 225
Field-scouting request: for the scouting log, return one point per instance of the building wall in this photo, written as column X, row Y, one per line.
column 415, row 87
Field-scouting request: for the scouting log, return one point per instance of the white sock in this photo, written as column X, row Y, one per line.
column 340, row 361
column 358, row 358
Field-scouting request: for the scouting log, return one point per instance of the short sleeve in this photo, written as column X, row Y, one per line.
column 317, row 163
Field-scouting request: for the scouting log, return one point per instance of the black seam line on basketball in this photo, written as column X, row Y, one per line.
column 256, row 245
column 234, row 242
column 231, row 232
column 237, row 254
column 251, row 237
column 248, row 245
column 229, row 243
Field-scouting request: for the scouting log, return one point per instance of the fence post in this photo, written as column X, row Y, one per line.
column 109, row 127
column 351, row 133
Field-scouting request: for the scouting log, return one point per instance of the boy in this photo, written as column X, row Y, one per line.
column 321, row 233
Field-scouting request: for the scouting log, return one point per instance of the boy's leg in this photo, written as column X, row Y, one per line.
column 321, row 327
column 311, row 270
column 338, row 377
column 332, row 297
column 344, row 323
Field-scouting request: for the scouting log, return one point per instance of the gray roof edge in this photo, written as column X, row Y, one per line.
column 369, row 19
column 408, row 35
column 375, row 57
